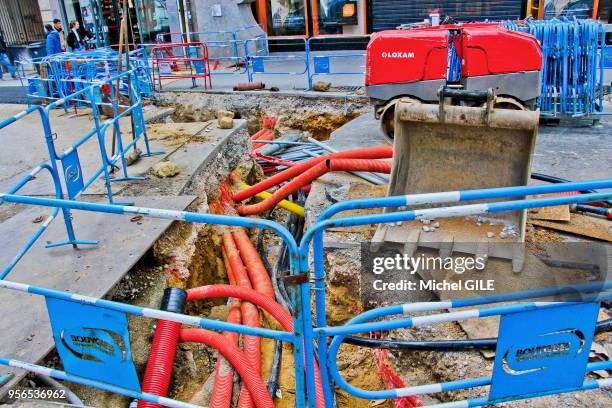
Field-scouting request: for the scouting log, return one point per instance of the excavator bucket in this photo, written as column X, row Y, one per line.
column 450, row 147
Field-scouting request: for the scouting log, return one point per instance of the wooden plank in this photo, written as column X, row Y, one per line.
column 557, row 213
column 580, row 224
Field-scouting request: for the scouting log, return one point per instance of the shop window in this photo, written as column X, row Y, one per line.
column 153, row 19
column 286, row 17
column 335, row 14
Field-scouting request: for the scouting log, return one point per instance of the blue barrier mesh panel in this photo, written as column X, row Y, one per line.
column 199, row 67
column 139, row 125
column 543, row 350
column 321, row 65
column 93, row 342
column 607, row 57
column 258, row 65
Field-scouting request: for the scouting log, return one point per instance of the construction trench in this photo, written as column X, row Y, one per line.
column 418, row 241
column 189, row 255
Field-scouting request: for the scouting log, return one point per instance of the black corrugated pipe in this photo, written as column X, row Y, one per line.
column 444, row 345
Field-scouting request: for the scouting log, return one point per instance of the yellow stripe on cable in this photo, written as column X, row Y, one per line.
column 285, row 204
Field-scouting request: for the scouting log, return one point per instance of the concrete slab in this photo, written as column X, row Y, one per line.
column 25, row 332
column 190, row 158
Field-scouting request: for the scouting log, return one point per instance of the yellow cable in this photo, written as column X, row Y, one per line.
column 287, row 205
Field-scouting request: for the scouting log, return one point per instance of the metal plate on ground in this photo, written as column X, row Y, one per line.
column 25, row 332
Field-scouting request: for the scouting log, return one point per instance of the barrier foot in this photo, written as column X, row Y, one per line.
column 126, row 179
column 152, row 154
column 74, row 243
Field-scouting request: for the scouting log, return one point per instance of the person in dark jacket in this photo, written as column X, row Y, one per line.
column 4, row 59
column 53, row 41
column 74, row 37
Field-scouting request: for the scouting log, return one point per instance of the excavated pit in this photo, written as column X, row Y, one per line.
column 317, row 113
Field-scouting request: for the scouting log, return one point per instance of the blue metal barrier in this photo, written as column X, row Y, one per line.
column 315, row 233
column 606, row 55
column 69, row 160
column 264, row 64
column 294, row 338
column 91, row 95
column 572, row 72
column 534, row 312
column 57, row 76
column 224, row 46
column 75, row 182
column 237, row 62
column 52, row 168
column 584, row 316
column 324, row 64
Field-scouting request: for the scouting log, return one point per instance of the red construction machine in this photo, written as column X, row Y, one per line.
column 457, row 101
column 417, row 63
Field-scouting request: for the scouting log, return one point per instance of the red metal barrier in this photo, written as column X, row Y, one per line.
column 181, row 60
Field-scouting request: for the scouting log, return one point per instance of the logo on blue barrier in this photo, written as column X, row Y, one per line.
column 258, row 65
column 73, row 174
column 138, row 120
column 543, row 350
column 321, row 64
column 93, row 342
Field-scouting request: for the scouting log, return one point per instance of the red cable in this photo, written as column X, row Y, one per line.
column 267, row 304
column 269, row 122
column 266, row 134
column 241, row 363
column 250, row 315
column 391, row 380
column 260, row 279
column 158, row 371
column 257, row 135
column 161, row 360
column 378, row 152
column 310, row 175
column 223, row 386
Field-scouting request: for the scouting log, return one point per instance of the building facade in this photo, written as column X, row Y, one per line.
column 21, row 22
column 303, row 18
